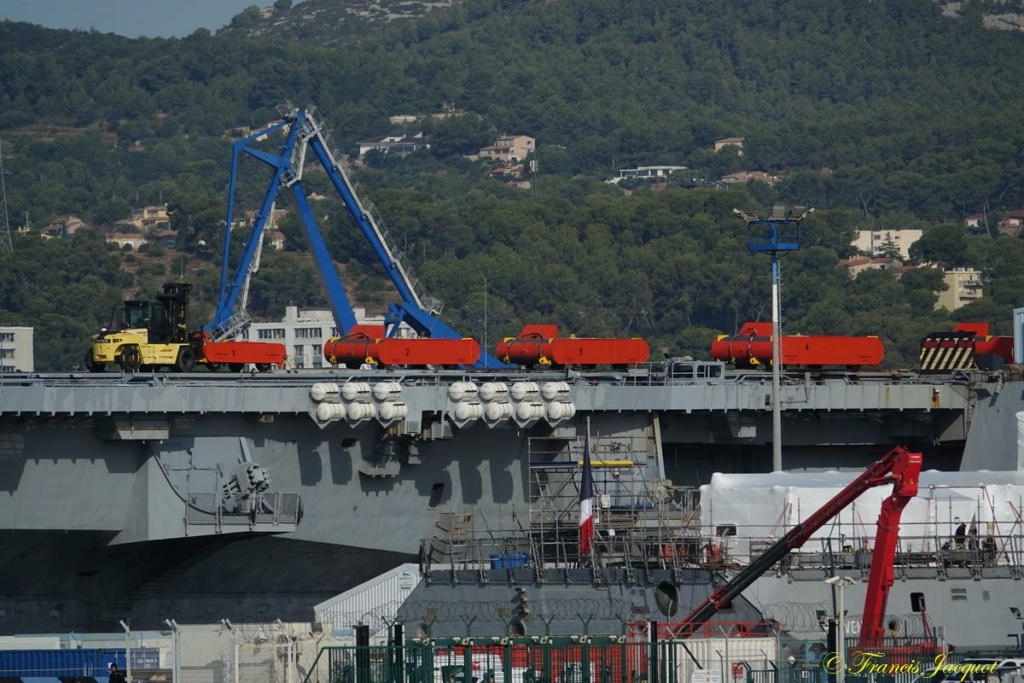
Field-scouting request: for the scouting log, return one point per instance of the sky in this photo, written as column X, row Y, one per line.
column 132, row 18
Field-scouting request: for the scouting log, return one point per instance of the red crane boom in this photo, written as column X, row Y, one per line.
column 881, row 576
column 898, row 467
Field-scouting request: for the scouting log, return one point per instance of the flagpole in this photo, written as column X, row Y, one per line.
column 586, row 502
column 593, row 496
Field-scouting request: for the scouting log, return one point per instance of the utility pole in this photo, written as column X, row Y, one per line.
column 780, row 232
column 840, row 583
column 6, row 243
column 127, row 650
column 176, row 640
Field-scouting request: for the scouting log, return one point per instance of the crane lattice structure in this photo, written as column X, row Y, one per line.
column 6, row 243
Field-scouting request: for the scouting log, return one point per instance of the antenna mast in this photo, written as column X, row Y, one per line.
column 6, row 244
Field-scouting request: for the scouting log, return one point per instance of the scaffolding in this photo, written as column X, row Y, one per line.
column 625, row 493
column 640, row 519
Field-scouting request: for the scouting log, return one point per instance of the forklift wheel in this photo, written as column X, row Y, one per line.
column 92, row 366
column 130, row 359
column 186, row 360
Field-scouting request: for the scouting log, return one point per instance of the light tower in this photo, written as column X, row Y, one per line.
column 779, row 232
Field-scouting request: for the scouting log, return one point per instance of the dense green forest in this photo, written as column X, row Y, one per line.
column 882, row 114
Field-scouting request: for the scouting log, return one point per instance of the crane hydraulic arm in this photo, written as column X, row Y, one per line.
column 881, row 576
column 898, row 467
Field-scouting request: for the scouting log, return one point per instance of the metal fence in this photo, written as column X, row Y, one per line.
column 576, row 659
column 623, row 659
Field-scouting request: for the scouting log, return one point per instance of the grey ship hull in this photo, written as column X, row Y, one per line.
column 971, row 613
column 112, row 489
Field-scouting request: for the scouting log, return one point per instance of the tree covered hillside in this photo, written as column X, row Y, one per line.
column 883, row 114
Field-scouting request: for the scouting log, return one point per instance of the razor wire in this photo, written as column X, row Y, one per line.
column 503, row 611
column 811, row 617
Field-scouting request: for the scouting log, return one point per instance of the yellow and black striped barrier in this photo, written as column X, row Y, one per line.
column 947, row 351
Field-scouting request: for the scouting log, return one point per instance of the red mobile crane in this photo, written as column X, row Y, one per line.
column 899, row 467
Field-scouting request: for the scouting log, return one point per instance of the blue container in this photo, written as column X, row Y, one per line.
column 509, row 560
column 54, row 663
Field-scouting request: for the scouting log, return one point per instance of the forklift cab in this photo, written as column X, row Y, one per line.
column 142, row 315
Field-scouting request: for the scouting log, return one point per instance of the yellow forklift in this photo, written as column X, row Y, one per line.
column 146, row 334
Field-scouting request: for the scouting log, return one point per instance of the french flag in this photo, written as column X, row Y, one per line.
column 586, row 501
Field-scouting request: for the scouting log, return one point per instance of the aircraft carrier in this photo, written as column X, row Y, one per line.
column 254, row 496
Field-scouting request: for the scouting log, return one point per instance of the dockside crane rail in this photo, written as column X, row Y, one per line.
column 303, row 131
column 898, row 467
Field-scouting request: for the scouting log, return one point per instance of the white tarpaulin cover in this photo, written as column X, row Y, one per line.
column 1020, row 439
column 766, row 506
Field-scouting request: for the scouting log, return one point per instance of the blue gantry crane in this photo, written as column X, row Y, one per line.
column 436, row 343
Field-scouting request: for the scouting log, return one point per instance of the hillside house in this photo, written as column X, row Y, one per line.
column 878, row 242
column 126, row 239
column 274, row 238
column 149, row 217
column 729, row 142
column 1012, row 219
column 512, row 171
column 646, row 173
column 395, row 143
column 62, row 226
column 509, row 148
column 249, row 219
column 857, row 265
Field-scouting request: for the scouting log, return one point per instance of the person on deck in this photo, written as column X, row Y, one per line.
column 960, row 536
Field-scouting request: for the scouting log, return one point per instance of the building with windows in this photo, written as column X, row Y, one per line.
column 395, row 143
column 646, row 173
column 964, row 285
column 856, row 266
column 303, row 332
column 891, row 243
column 16, row 350
column 509, row 148
column 150, row 217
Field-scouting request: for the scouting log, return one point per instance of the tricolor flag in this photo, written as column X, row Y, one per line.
column 586, row 501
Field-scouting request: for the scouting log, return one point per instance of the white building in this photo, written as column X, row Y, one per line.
column 303, row 332
column 16, row 350
column 646, row 173
column 874, row 242
column 374, row 603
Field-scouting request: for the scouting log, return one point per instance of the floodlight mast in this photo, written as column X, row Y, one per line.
column 779, row 232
